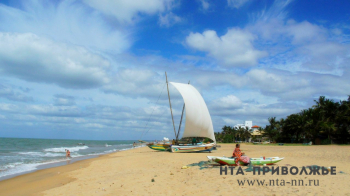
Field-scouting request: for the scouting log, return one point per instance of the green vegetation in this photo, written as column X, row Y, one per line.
column 230, row 134
column 326, row 122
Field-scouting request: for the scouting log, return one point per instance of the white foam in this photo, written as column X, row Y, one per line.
column 18, row 167
column 42, row 154
column 63, row 149
column 56, row 154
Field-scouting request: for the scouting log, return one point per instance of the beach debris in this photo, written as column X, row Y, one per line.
column 202, row 165
column 185, row 167
column 171, row 174
column 152, row 180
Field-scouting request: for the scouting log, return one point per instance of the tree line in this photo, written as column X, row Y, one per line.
column 325, row 122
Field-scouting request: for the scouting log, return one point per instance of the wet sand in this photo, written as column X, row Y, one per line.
column 143, row 171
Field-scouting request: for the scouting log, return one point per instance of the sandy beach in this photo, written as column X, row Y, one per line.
column 143, row 171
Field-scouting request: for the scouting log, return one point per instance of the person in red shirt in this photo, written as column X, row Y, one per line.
column 237, row 154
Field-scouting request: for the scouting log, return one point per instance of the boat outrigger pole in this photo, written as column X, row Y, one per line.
column 171, row 111
column 182, row 114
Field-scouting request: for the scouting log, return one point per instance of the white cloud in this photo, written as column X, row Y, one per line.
column 64, row 100
column 297, row 33
column 299, row 46
column 233, row 49
column 236, row 3
column 66, row 21
column 304, row 32
column 127, row 11
column 228, row 102
column 135, row 83
column 324, row 56
column 169, row 19
column 50, row 62
column 156, row 110
column 265, row 81
column 277, row 11
column 204, row 4
column 10, row 94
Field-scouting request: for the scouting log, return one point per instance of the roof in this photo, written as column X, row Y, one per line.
column 256, row 132
column 255, row 126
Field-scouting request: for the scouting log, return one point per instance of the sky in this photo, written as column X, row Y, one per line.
column 95, row 69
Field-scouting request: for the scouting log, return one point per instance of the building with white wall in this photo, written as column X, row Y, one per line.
column 248, row 124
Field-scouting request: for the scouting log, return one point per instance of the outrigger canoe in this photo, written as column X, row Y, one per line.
column 253, row 161
column 160, row 147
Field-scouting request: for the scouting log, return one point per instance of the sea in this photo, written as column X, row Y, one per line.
column 19, row 156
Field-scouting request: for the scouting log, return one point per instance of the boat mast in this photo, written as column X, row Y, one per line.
column 182, row 114
column 171, row 111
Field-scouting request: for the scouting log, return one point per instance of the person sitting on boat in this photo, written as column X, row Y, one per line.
column 173, row 142
column 194, row 141
column 237, row 154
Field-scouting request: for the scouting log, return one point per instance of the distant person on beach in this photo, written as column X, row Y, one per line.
column 134, row 145
column 68, row 154
column 173, row 142
column 237, row 154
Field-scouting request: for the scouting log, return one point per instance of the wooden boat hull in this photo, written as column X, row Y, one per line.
column 160, row 147
column 193, row 148
column 253, row 161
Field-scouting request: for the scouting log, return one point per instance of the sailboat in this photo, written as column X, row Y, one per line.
column 198, row 120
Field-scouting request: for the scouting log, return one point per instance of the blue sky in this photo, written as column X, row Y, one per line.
column 94, row 69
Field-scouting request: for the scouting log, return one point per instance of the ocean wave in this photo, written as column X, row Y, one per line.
column 23, row 162
column 10, row 165
column 42, row 154
column 63, row 149
column 18, row 167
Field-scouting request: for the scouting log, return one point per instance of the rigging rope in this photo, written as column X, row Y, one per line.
column 152, row 114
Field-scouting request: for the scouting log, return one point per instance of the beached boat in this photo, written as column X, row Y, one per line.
column 253, row 161
column 192, row 148
column 160, row 147
column 198, row 120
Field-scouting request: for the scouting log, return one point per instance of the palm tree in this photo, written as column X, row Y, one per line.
column 328, row 110
column 272, row 129
column 227, row 135
column 240, row 133
column 343, row 121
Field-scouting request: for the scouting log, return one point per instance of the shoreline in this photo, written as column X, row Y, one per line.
column 50, row 165
column 58, row 163
column 46, row 178
column 143, row 171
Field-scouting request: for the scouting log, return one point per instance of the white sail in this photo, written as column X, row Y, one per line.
column 198, row 120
